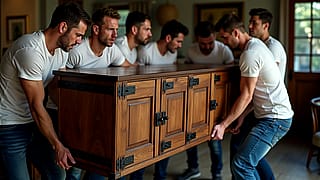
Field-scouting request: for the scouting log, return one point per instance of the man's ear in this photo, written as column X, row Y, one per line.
column 168, row 38
column 63, row 27
column 95, row 29
column 266, row 26
column 134, row 30
column 235, row 32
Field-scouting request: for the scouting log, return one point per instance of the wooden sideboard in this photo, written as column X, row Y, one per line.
column 117, row 120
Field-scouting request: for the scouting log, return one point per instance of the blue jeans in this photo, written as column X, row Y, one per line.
column 74, row 173
column 14, row 140
column 215, row 155
column 264, row 170
column 160, row 169
column 262, row 137
column 42, row 154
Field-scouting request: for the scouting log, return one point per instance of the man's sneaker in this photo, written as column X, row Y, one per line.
column 189, row 174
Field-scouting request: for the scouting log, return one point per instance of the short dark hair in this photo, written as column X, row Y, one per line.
column 204, row 29
column 99, row 14
column 173, row 28
column 71, row 13
column 135, row 18
column 264, row 15
column 228, row 22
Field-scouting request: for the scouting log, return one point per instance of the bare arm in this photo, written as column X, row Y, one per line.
column 35, row 94
column 247, row 86
column 126, row 63
column 236, row 128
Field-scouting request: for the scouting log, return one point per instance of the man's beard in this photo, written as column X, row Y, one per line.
column 63, row 43
column 141, row 41
column 104, row 43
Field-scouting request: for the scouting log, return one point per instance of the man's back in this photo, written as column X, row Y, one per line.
column 279, row 54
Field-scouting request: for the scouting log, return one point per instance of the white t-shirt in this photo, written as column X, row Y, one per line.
column 130, row 55
column 270, row 98
column 279, row 54
column 27, row 58
column 221, row 54
column 83, row 57
column 150, row 54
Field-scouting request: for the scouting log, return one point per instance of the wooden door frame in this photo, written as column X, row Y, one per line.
column 301, row 85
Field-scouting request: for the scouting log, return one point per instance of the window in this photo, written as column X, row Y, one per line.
column 122, row 22
column 123, row 10
column 307, row 37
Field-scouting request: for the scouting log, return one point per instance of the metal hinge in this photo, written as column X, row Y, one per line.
column 167, row 85
column 160, row 118
column 213, row 104
column 165, row 145
column 217, row 78
column 191, row 136
column 193, row 81
column 124, row 161
column 124, row 90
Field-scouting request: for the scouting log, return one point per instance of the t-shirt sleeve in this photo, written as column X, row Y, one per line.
column 117, row 57
column 227, row 56
column 30, row 64
column 73, row 59
column 143, row 57
column 250, row 64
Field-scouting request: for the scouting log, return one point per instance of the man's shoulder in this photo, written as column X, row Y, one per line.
column 121, row 40
column 273, row 40
column 148, row 47
column 274, row 44
column 30, row 40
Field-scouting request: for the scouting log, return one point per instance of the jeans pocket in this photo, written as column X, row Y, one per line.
column 280, row 131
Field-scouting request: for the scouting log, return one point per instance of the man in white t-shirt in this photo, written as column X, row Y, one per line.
column 164, row 51
column 97, row 51
column 138, row 32
column 207, row 50
column 25, row 71
column 261, row 89
column 259, row 26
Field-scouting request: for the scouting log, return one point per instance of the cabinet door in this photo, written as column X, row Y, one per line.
column 198, row 107
column 220, row 97
column 135, row 122
column 173, row 105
